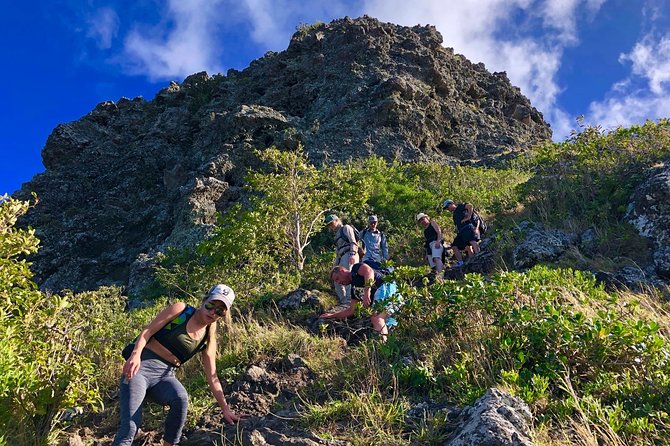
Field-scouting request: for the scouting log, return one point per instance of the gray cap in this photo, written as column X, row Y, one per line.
column 222, row 293
column 330, row 218
column 447, row 203
column 372, row 219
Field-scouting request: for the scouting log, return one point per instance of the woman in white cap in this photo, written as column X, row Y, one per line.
column 433, row 245
column 172, row 338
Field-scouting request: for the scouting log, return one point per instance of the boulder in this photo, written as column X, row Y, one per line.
column 257, row 431
column 495, row 419
column 264, row 385
column 629, row 277
column 588, row 241
column 261, row 388
column 299, row 298
column 542, row 245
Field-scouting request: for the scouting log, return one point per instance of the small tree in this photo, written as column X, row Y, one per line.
column 293, row 197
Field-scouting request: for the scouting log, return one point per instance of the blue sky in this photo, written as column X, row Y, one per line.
column 608, row 60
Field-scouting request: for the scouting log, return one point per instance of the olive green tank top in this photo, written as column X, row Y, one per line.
column 175, row 338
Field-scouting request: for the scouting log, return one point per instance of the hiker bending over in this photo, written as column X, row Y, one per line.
column 376, row 249
column 173, row 337
column 374, row 290
column 433, row 235
column 467, row 229
column 346, row 252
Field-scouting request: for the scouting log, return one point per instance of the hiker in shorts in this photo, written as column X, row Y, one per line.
column 433, row 245
column 467, row 229
column 346, row 252
column 375, row 291
column 376, row 249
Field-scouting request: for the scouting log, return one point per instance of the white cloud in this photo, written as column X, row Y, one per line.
column 645, row 93
column 103, row 25
column 654, row 10
column 185, row 47
column 651, row 60
column 191, row 43
column 634, row 108
column 560, row 15
column 269, row 21
column 594, row 5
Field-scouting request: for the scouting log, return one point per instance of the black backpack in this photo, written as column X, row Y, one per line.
column 483, row 226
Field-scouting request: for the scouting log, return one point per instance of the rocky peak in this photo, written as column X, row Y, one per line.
column 133, row 176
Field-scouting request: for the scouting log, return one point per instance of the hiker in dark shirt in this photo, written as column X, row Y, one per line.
column 364, row 276
column 433, row 245
column 467, row 229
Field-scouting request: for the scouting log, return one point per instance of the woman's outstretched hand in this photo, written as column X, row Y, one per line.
column 231, row 417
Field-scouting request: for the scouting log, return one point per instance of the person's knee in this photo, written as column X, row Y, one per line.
column 180, row 400
column 378, row 322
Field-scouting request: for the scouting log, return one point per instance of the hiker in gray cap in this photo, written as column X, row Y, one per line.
column 346, row 252
column 376, row 249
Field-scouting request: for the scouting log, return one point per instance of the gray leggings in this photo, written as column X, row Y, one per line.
column 155, row 382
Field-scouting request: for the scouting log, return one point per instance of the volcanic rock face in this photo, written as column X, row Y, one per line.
column 133, row 177
column 649, row 212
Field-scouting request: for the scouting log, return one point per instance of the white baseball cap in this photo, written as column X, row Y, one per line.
column 223, row 293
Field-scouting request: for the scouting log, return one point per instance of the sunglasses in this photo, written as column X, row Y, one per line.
column 219, row 311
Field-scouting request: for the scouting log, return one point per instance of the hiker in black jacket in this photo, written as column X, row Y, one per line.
column 467, row 229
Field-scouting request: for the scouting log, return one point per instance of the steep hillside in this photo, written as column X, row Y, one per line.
column 133, row 176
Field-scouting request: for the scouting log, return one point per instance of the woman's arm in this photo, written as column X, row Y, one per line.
column 132, row 365
column 209, row 364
